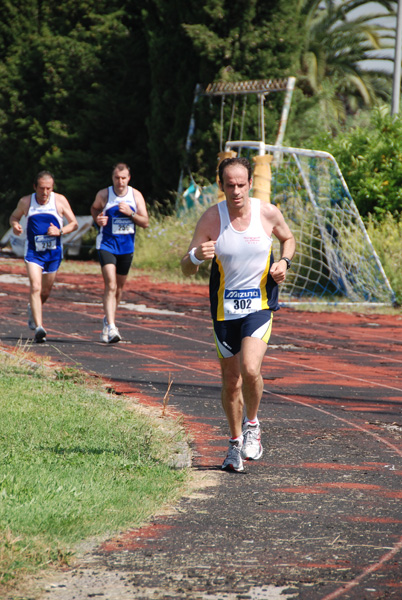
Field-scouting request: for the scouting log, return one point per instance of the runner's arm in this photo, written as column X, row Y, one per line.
column 203, row 242
column 97, row 208
column 18, row 213
column 140, row 216
column 64, row 209
column 287, row 241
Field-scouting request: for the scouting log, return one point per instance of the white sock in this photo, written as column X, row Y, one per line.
column 254, row 422
column 237, row 439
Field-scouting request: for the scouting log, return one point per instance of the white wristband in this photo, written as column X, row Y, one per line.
column 193, row 257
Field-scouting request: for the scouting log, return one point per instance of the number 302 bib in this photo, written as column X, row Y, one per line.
column 241, row 302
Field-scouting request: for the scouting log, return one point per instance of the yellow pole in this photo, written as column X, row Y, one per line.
column 262, row 177
column 221, row 157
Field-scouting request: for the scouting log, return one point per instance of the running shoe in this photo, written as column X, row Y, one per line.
column 113, row 334
column 233, row 460
column 252, row 449
column 40, row 335
column 31, row 322
column 105, row 334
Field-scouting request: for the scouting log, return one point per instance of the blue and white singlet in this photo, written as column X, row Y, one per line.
column 240, row 282
column 117, row 236
column 38, row 243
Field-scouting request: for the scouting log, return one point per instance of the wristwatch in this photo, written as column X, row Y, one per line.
column 287, row 261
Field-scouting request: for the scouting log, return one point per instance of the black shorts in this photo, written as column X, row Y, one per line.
column 229, row 334
column 122, row 262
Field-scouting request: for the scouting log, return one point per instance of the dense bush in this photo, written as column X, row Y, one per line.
column 370, row 158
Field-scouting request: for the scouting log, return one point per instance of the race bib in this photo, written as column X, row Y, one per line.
column 241, row 302
column 45, row 242
column 122, row 226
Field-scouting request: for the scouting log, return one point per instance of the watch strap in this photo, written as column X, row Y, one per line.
column 287, row 261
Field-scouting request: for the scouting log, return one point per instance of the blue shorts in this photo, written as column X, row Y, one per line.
column 49, row 263
column 229, row 334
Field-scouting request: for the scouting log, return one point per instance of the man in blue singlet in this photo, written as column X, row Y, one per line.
column 45, row 211
column 236, row 235
column 117, row 210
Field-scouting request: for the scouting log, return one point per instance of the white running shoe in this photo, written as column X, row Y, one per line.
column 233, row 460
column 31, row 322
column 105, row 334
column 252, row 449
column 113, row 334
column 40, row 335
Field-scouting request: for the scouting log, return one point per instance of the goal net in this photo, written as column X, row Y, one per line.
column 335, row 260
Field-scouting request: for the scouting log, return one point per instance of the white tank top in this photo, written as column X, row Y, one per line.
column 117, row 236
column 244, row 259
column 36, row 210
column 39, row 218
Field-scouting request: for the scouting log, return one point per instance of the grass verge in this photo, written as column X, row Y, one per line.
column 387, row 241
column 160, row 248
column 75, row 463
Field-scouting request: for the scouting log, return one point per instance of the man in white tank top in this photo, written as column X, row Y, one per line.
column 45, row 211
column 237, row 236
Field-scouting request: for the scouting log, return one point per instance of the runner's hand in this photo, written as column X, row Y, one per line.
column 17, row 229
column 278, row 271
column 206, row 250
column 125, row 209
column 101, row 220
column 53, row 230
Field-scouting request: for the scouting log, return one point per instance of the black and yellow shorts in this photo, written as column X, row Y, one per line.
column 229, row 334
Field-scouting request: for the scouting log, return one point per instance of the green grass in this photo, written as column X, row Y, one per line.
column 159, row 249
column 387, row 241
column 75, row 462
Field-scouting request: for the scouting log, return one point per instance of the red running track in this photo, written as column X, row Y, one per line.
column 320, row 513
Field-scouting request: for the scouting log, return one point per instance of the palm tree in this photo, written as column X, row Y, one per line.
column 339, row 38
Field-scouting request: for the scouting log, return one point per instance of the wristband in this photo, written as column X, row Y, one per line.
column 193, row 257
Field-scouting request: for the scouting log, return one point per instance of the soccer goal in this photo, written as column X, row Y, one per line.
column 335, row 259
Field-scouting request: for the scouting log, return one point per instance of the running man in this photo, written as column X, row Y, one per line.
column 236, row 235
column 45, row 211
column 117, row 210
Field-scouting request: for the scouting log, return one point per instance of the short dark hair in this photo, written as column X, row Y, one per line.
column 42, row 174
column 230, row 162
column 120, row 167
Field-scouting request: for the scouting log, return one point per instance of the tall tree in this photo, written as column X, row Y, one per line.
column 240, row 41
column 173, row 73
column 72, row 98
column 84, row 83
column 339, row 38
